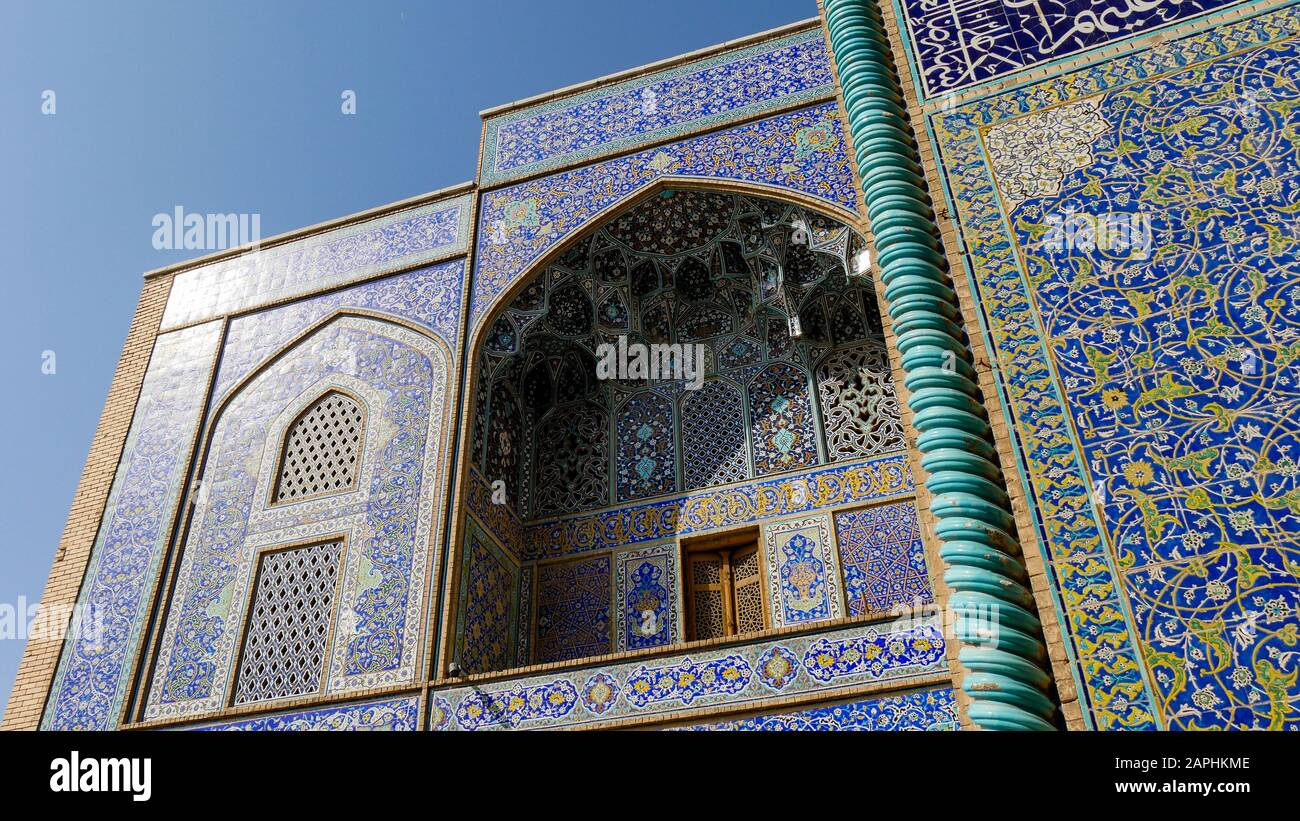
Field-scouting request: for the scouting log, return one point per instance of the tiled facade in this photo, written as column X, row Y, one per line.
column 1148, row 388
column 515, row 540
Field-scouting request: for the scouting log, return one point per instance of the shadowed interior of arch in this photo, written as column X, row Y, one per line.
column 794, row 374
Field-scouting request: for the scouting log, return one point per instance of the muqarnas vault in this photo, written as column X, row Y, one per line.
column 993, row 424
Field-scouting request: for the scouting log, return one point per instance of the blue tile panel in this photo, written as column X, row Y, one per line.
column 801, row 151
column 959, row 43
column 826, row 663
column 1153, row 389
column 803, row 575
column 399, row 714
column 879, row 478
column 90, row 684
column 486, row 623
column 928, row 710
column 500, row 521
column 883, row 558
column 328, row 259
column 573, row 609
column 402, row 379
column 645, row 597
column 726, row 87
column 427, row 297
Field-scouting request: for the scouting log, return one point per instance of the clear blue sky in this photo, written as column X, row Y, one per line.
column 233, row 106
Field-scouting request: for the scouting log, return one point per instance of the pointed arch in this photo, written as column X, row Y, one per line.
column 320, row 453
column 400, row 377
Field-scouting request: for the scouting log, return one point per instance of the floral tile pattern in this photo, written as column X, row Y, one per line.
column 90, row 684
column 800, row 151
column 824, row 663
column 645, row 597
column 499, row 520
column 401, row 377
column 803, row 575
column 398, row 714
column 429, row 297
column 755, row 501
column 485, row 639
column 1151, row 385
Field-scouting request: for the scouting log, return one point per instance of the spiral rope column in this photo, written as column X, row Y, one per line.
column 998, row 634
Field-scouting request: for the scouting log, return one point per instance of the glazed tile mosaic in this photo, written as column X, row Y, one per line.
column 500, row 521
column 542, row 425
column 1150, row 370
column 800, row 151
column 929, row 710
column 398, row 714
column 333, row 258
column 958, row 43
column 487, row 618
column 883, row 558
column 386, row 522
column 803, row 575
column 524, row 647
column 827, row 663
column 874, row 479
column 645, row 597
column 428, row 297
column 93, row 673
column 573, row 609
column 724, row 88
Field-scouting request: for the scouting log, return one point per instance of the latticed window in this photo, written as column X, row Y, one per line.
column 724, row 587
column 321, row 449
column 289, row 623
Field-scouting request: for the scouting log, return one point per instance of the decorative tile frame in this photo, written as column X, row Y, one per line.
column 1134, row 652
column 94, row 672
column 803, row 571
column 955, row 45
column 827, row 663
column 654, row 570
column 727, row 87
column 323, row 260
column 799, row 153
column 400, row 714
column 928, row 710
column 192, row 679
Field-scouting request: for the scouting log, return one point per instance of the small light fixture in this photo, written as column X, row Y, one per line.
column 455, row 670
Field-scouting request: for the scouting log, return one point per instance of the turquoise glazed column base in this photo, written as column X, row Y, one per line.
column 998, row 634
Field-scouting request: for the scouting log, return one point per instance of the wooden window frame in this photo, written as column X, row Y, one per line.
column 723, row 547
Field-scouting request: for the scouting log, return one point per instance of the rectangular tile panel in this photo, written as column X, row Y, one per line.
column 699, row 94
column 325, row 260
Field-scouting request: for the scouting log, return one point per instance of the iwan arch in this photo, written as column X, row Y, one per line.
column 372, row 478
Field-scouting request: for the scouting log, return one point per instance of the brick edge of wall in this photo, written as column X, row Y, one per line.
column 41, row 656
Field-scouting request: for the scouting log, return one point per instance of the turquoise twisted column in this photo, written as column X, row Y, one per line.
column 1006, row 678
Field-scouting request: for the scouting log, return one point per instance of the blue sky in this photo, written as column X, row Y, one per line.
column 234, row 106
